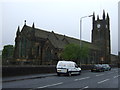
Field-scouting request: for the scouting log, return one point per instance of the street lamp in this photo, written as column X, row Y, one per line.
column 81, row 27
column 81, row 30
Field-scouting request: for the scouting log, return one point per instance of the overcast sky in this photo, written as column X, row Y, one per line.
column 119, row 27
column 60, row 16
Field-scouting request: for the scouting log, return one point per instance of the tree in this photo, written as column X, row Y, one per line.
column 7, row 53
column 75, row 52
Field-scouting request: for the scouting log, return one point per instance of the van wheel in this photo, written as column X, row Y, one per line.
column 69, row 73
column 58, row 74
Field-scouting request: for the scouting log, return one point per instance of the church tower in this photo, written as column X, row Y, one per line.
column 101, row 36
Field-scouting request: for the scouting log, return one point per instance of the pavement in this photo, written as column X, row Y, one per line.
column 30, row 76
column 24, row 77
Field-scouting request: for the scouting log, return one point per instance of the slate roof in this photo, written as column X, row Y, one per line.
column 57, row 40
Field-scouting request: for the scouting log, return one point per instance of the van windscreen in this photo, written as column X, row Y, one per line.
column 62, row 64
column 66, row 64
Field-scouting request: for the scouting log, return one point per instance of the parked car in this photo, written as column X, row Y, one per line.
column 67, row 67
column 97, row 67
column 106, row 67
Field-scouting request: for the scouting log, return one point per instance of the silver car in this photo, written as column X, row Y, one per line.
column 106, row 67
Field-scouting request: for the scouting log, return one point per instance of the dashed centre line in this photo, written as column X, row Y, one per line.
column 116, row 76
column 86, row 87
column 99, row 74
column 50, row 85
column 103, row 81
column 81, row 78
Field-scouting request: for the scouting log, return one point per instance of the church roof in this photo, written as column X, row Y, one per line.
column 57, row 40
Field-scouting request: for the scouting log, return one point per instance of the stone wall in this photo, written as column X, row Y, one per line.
column 26, row 70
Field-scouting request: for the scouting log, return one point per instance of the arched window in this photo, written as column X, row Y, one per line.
column 48, row 55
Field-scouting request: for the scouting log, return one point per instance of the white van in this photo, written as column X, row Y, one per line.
column 67, row 67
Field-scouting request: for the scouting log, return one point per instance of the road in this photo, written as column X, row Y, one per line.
column 87, row 79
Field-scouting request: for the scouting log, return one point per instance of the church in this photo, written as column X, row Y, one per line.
column 44, row 48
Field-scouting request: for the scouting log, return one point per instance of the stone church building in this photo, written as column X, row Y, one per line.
column 42, row 47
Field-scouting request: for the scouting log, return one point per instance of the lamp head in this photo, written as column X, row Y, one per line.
column 90, row 15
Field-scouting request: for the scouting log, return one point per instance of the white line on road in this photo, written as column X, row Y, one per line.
column 84, row 88
column 99, row 74
column 103, row 81
column 81, row 78
column 50, row 85
column 116, row 76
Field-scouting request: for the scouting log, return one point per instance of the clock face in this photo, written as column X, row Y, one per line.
column 98, row 25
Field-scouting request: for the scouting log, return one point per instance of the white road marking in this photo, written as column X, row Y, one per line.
column 81, row 78
column 116, row 76
column 50, row 85
column 103, row 81
column 99, row 74
column 86, row 87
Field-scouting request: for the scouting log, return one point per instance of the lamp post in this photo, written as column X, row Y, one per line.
column 81, row 27
column 81, row 30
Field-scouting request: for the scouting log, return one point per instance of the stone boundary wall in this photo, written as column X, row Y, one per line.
column 26, row 70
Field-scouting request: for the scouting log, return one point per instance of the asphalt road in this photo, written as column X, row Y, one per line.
column 87, row 79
